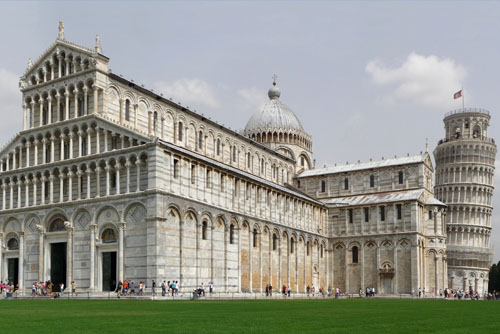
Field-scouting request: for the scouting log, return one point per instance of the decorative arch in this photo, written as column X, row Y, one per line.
column 81, row 219
column 135, row 214
column 107, row 214
column 11, row 225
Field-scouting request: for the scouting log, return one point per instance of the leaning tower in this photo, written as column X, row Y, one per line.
column 465, row 163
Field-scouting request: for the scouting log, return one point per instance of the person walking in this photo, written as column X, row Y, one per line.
column 211, row 288
column 153, row 288
column 163, row 289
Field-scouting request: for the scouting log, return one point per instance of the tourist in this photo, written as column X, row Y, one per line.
column 202, row 289
column 153, row 288
column 177, row 287
column 308, row 290
column 132, row 288
column 313, row 289
column 61, row 288
column 125, row 288
column 73, row 288
column 211, row 287
column 289, row 291
column 118, row 289
column 283, row 290
column 270, row 290
column 172, row 288
column 163, row 289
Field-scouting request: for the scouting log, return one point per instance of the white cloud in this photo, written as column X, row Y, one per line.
column 252, row 99
column 191, row 92
column 429, row 81
column 11, row 111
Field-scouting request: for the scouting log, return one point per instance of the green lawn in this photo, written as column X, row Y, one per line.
column 252, row 316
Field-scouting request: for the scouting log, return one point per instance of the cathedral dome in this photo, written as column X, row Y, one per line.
column 273, row 116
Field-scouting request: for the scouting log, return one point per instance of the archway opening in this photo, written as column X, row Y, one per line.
column 58, row 265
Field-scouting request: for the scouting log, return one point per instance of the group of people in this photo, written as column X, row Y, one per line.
column 201, row 289
column 170, row 287
column 7, row 287
column 127, row 288
column 48, row 288
column 369, row 292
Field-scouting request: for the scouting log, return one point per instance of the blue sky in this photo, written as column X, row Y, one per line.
column 367, row 79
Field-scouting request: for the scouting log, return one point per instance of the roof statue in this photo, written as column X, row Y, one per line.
column 97, row 44
column 61, row 30
column 30, row 63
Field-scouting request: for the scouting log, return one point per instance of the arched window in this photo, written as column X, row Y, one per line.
column 218, row 146
column 321, row 251
column 302, row 162
column 200, row 140
column 255, row 233
column 179, row 131
column 108, row 236
column 155, row 121
column 57, row 225
column 308, row 249
column 231, row 234
column 372, row 180
column 262, row 166
column 323, row 186
column 84, row 146
column 12, row 244
column 346, row 183
column 204, row 228
column 292, row 245
column 400, row 177
column 275, row 242
column 127, row 110
column 355, row 254
column 249, row 160
column 235, row 151
column 61, row 112
column 45, row 116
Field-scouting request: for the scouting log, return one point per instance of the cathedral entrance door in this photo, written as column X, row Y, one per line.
column 388, row 285
column 108, row 271
column 13, row 270
column 58, row 265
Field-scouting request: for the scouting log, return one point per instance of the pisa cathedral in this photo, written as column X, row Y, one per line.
column 110, row 181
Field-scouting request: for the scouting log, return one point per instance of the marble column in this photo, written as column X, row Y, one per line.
column 61, row 187
column 92, row 228
column 49, row 113
column 25, row 120
column 127, row 166
column 21, row 263
column 96, row 101
column 85, row 101
column 58, row 109
column 98, row 181
column 66, row 106
column 41, row 247
column 35, row 144
column 121, row 259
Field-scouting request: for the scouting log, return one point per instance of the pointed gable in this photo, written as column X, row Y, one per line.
column 60, row 59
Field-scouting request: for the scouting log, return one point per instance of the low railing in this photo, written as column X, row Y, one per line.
column 467, row 110
column 444, row 140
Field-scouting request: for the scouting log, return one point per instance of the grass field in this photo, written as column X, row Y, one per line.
column 253, row 316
